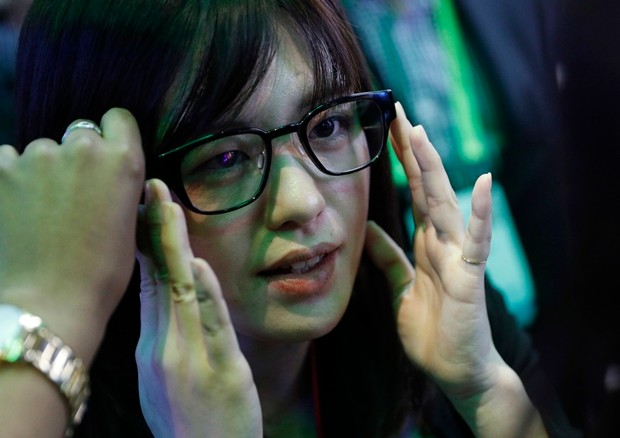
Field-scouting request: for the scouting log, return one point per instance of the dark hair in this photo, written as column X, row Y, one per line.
column 176, row 67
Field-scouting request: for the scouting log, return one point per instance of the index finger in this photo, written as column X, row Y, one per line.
column 443, row 209
column 399, row 133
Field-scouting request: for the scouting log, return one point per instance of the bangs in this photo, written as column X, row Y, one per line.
column 338, row 64
column 233, row 50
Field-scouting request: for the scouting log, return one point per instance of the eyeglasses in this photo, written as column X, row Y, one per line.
column 228, row 170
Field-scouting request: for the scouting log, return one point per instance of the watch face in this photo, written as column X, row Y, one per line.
column 11, row 333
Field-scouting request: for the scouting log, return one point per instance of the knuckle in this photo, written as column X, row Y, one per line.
column 182, row 291
column 131, row 157
column 182, row 286
column 8, row 155
column 42, row 147
column 134, row 162
column 169, row 363
column 434, row 202
column 82, row 141
column 143, row 352
column 118, row 114
column 162, row 277
column 8, row 150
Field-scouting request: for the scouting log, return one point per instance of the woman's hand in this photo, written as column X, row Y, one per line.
column 68, row 218
column 440, row 305
column 194, row 380
column 441, row 310
column 67, row 227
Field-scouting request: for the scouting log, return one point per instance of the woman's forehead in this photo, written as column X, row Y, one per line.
column 285, row 92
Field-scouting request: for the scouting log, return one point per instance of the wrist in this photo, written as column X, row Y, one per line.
column 79, row 325
column 25, row 340
column 503, row 410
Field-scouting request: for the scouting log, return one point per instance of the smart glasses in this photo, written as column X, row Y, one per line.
column 227, row 170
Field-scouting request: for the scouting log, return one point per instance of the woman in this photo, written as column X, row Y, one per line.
column 325, row 328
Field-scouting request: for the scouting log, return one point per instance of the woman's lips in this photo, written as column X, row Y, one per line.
column 311, row 276
column 300, row 267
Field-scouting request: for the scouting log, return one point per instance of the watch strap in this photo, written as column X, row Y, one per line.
column 48, row 354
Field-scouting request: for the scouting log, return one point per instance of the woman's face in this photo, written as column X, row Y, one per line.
column 287, row 262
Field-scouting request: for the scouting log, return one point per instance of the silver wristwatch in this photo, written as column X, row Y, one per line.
column 24, row 338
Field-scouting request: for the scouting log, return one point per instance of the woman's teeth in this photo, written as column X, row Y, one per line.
column 305, row 266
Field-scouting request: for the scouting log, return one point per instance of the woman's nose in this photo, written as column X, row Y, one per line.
column 294, row 192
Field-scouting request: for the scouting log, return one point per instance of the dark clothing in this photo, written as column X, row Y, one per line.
column 116, row 411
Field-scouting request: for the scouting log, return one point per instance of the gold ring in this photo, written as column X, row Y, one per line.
column 472, row 261
column 182, row 293
column 81, row 124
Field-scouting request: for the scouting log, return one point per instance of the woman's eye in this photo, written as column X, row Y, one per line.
column 203, row 164
column 330, row 127
column 326, row 128
column 226, row 160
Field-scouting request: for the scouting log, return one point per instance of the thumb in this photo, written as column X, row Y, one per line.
column 388, row 256
column 144, row 255
column 149, row 231
column 149, row 313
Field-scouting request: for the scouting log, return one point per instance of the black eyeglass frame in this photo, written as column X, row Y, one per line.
column 169, row 163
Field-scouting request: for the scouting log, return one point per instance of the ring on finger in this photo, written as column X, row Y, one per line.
column 81, row 124
column 472, row 261
column 182, row 293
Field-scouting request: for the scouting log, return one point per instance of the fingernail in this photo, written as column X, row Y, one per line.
column 420, row 132
column 194, row 265
column 167, row 212
column 400, row 113
column 148, row 191
column 201, row 294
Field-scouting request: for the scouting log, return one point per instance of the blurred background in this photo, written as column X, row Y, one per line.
column 587, row 367
column 12, row 14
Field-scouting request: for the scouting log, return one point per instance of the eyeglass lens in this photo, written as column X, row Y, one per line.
column 230, row 170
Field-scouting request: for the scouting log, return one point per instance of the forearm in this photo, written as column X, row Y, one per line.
column 503, row 411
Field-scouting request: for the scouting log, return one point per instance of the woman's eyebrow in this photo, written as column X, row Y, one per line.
column 305, row 104
column 301, row 106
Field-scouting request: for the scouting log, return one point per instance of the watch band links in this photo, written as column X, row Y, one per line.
column 56, row 361
column 38, row 346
